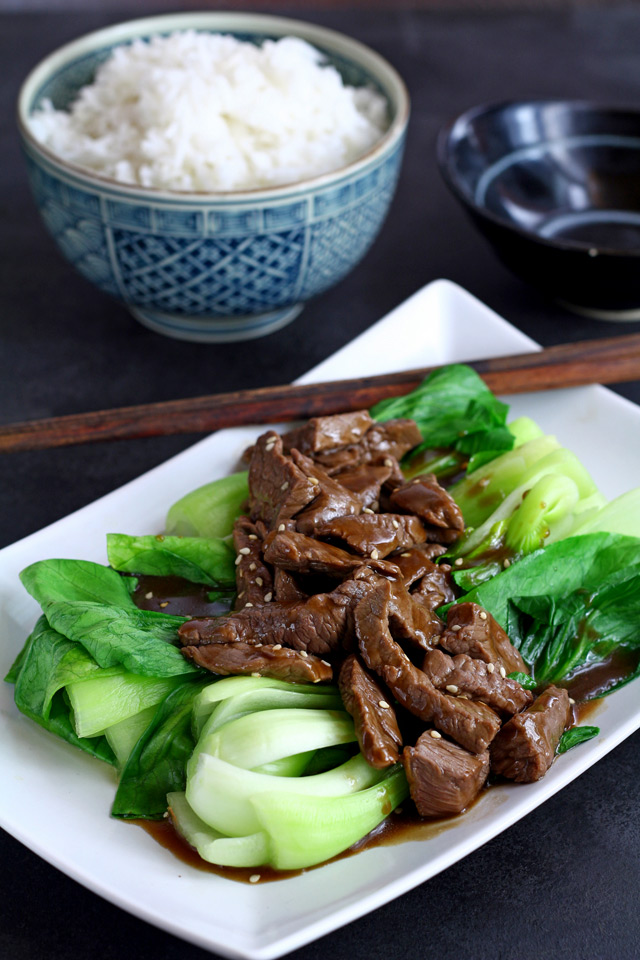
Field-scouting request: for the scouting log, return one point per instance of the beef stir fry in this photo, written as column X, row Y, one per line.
column 339, row 576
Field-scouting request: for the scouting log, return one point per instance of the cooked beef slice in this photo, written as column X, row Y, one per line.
column 328, row 433
column 435, row 588
column 333, row 499
column 443, row 778
column 410, row 620
column 321, row 624
column 285, row 588
column 365, row 482
column 278, row 489
column 301, row 554
column 266, row 661
column 415, row 562
column 383, row 441
column 472, row 630
column 393, row 438
column 525, row 747
column 462, row 674
column 374, row 717
column 254, row 583
column 472, row 725
column 374, row 534
column 425, row 498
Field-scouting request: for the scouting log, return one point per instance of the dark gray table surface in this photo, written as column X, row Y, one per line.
column 564, row 881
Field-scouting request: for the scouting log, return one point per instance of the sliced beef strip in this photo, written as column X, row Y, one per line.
column 333, row 499
column 383, row 441
column 417, row 561
column 301, row 554
column 321, row 624
column 525, row 747
column 328, row 433
column 365, row 482
column 472, row 725
column 425, row 498
column 393, row 438
column 282, row 663
column 278, row 489
column 443, row 777
column 462, row 674
column 410, row 620
column 375, row 534
column 254, row 582
column 472, row 630
column 435, row 588
column 374, row 717
column 285, row 587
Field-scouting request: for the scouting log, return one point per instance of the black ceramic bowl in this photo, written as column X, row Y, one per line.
column 555, row 187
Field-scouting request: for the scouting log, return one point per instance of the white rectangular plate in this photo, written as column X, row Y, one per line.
column 56, row 800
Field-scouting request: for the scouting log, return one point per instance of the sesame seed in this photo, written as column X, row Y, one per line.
column 254, row 878
column 451, row 687
column 257, row 644
column 388, row 462
column 238, row 560
column 374, row 554
column 398, row 810
column 268, row 597
column 406, row 554
column 245, row 551
column 303, row 653
column 241, row 594
column 436, row 735
column 458, row 562
column 506, row 563
column 571, row 701
column 395, row 524
column 482, row 615
column 283, row 486
column 456, row 627
column 314, row 481
column 256, row 674
column 149, row 595
column 367, row 510
column 252, row 566
column 490, row 667
column 252, row 536
column 259, row 581
column 383, row 704
column 165, row 603
column 248, row 605
column 326, row 663
column 503, row 672
column 277, row 646
column 281, row 528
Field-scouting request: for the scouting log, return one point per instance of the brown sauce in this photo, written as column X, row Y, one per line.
column 595, row 679
column 176, row 596
column 399, row 826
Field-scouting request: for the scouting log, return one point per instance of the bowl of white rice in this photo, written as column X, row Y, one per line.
column 213, row 171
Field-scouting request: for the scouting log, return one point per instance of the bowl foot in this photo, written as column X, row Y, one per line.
column 615, row 316
column 216, row 329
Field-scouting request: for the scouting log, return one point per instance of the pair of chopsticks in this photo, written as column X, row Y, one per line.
column 611, row 360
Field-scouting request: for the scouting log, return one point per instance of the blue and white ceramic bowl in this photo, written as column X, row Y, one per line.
column 214, row 266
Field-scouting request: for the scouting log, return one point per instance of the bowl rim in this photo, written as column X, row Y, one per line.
column 443, row 153
column 221, row 21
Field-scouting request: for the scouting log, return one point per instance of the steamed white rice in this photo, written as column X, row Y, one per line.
column 200, row 111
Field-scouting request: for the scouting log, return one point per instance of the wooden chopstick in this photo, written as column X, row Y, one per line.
column 611, row 360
